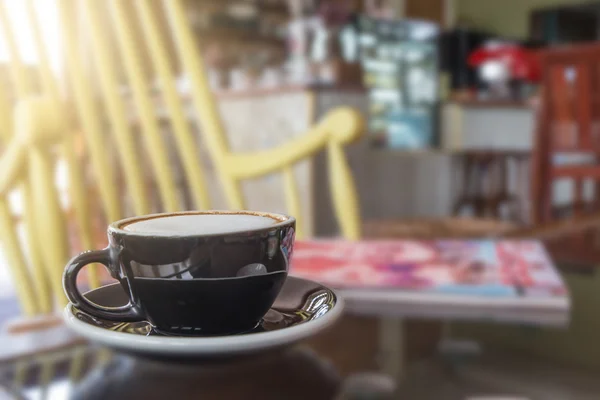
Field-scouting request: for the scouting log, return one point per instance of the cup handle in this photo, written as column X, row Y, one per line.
column 127, row 313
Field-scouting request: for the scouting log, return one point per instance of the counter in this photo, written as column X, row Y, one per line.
column 391, row 183
column 494, row 125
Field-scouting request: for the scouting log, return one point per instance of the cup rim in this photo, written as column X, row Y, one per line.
column 118, row 226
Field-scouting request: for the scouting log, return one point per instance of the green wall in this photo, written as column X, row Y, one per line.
column 504, row 17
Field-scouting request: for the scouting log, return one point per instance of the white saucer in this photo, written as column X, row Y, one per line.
column 302, row 309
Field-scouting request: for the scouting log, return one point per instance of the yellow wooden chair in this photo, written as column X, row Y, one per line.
column 79, row 117
column 49, row 125
column 47, row 120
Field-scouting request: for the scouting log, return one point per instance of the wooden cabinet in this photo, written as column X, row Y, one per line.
column 431, row 10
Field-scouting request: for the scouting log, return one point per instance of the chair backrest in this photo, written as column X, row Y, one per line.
column 113, row 143
column 32, row 242
column 568, row 132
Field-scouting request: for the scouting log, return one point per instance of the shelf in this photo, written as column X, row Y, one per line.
column 208, row 26
column 285, row 89
column 279, row 10
column 270, row 8
column 239, row 36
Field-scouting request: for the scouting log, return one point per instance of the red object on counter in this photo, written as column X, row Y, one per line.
column 523, row 63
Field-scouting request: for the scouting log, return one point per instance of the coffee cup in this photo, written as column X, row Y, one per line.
column 192, row 273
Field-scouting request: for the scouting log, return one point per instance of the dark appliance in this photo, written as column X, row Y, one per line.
column 454, row 47
column 565, row 24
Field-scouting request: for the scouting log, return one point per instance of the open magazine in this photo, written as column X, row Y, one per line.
column 477, row 267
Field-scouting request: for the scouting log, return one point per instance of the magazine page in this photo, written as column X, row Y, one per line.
column 531, row 268
column 447, row 266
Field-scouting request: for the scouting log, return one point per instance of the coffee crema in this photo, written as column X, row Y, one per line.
column 200, row 224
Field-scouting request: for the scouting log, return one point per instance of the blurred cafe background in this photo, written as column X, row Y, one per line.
column 420, row 123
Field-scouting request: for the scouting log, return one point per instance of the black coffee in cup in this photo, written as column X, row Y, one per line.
column 195, row 273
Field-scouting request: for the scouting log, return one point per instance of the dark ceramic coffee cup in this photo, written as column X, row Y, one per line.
column 196, row 273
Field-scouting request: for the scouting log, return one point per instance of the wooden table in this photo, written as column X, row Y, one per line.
column 525, row 288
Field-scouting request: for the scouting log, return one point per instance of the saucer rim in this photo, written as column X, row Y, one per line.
column 214, row 345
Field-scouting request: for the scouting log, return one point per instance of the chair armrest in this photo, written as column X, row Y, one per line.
column 31, row 324
column 341, row 126
column 27, row 344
